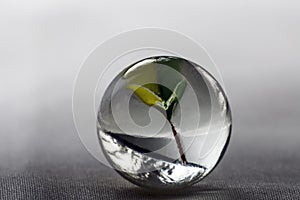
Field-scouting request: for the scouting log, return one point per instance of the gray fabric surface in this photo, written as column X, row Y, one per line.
column 253, row 174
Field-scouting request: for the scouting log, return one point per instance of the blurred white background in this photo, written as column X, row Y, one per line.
column 255, row 44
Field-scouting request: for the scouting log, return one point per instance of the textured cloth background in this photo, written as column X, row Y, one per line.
column 253, row 173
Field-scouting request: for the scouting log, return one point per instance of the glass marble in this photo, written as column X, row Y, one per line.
column 164, row 123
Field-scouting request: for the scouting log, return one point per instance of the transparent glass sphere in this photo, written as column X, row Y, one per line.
column 164, row 122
